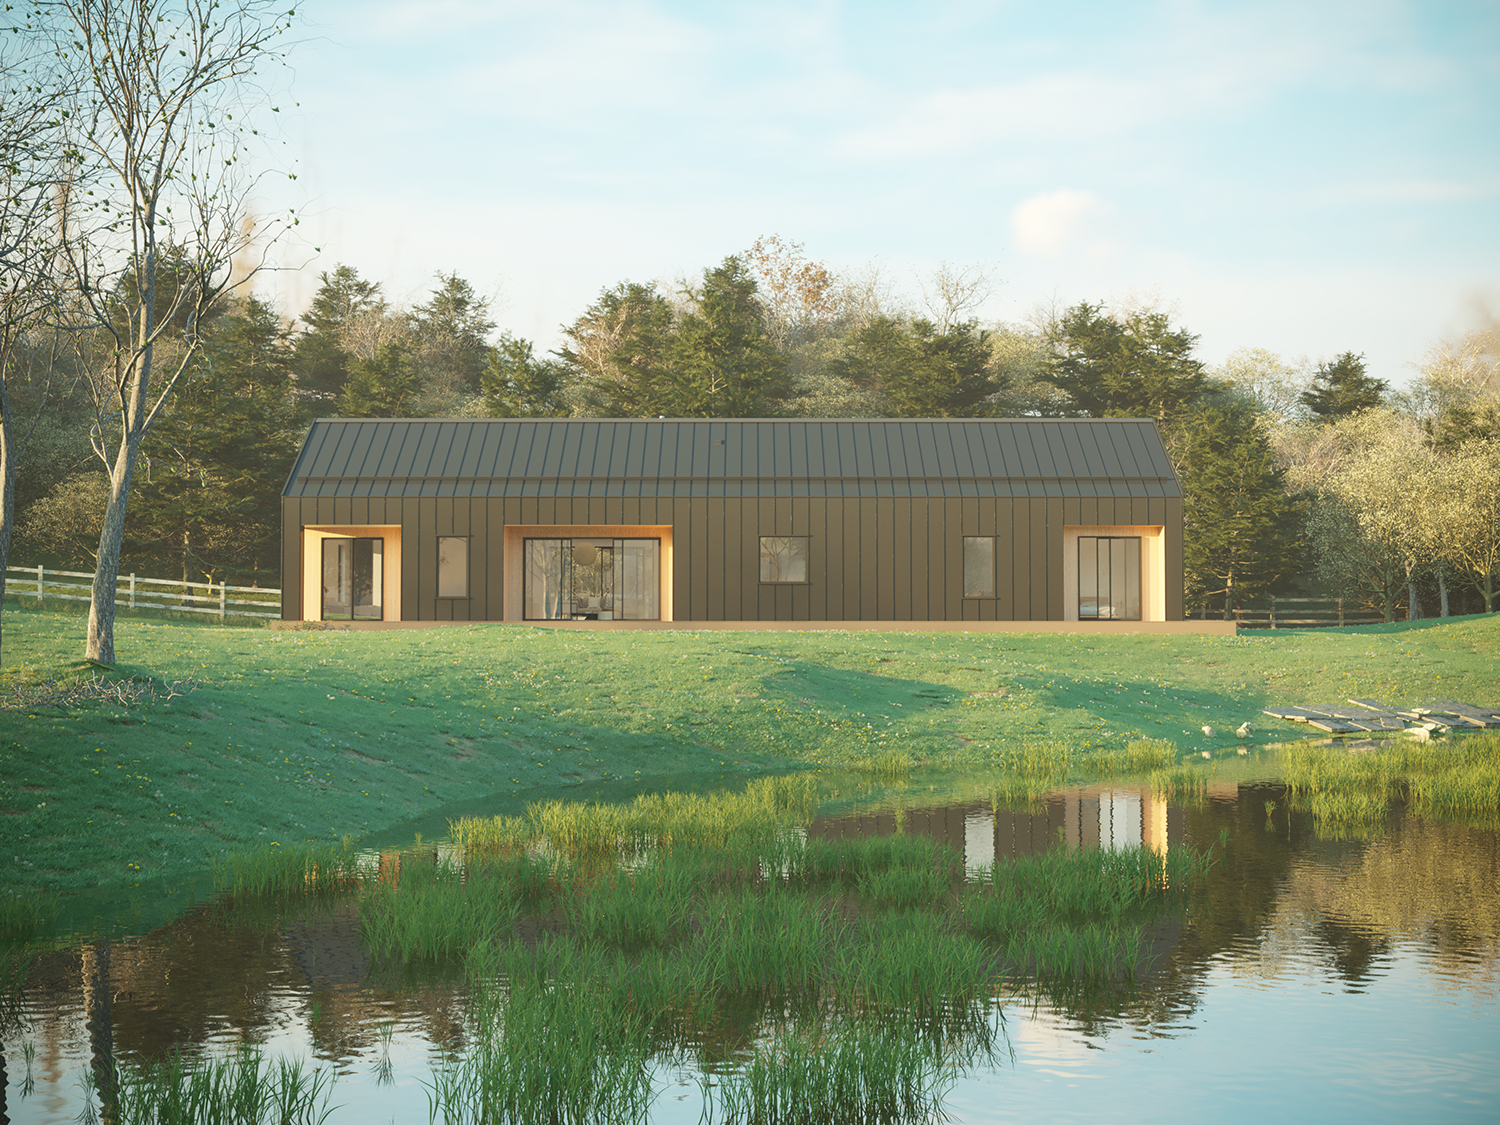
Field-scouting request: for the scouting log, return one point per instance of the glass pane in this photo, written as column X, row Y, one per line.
column 1117, row 583
column 337, row 594
column 638, row 579
column 367, row 557
column 544, row 585
column 1088, row 577
column 1130, row 602
column 783, row 558
column 453, row 567
column 979, row 566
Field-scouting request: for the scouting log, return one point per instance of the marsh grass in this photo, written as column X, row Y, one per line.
column 295, row 869
column 434, row 911
column 1080, row 913
column 858, row 1072
column 555, row 1056
column 21, row 917
column 241, row 1089
column 1456, row 779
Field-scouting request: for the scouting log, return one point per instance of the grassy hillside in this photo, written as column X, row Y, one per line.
column 299, row 735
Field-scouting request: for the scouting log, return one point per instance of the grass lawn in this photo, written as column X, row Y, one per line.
column 296, row 736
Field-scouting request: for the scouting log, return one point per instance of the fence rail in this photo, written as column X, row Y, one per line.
column 134, row 591
column 1289, row 613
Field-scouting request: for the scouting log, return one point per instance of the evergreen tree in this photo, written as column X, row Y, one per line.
column 518, row 385
column 452, row 336
column 384, row 387
column 1138, row 367
column 617, row 354
column 920, row 372
column 322, row 355
column 209, row 498
column 721, row 361
column 1342, row 388
column 1241, row 532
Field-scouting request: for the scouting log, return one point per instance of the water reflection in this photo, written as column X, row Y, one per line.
column 1415, row 902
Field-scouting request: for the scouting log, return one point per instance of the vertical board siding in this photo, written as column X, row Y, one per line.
column 885, row 505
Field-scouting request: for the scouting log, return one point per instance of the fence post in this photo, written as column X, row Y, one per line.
column 38, row 584
column 132, row 589
column 1273, row 611
column 221, row 601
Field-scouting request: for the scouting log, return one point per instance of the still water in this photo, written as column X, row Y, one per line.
column 1317, row 978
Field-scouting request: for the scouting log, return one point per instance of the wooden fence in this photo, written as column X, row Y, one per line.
column 134, row 592
column 1287, row 613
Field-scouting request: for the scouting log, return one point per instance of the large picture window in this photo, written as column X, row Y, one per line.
column 1109, row 577
column 979, row 566
column 353, row 579
column 591, row 579
column 783, row 558
column 453, row 567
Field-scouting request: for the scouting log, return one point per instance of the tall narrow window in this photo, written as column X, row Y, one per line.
column 1109, row 577
column 353, row 579
column 783, row 558
column 453, row 567
column 979, row 566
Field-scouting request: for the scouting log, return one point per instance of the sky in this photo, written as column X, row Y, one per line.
column 1308, row 177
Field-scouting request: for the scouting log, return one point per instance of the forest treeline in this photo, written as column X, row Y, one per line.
column 1297, row 476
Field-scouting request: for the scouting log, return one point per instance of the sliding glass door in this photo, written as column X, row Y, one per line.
column 592, row 579
column 353, row 579
column 1109, row 577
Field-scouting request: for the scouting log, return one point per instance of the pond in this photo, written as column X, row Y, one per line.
column 1336, row 979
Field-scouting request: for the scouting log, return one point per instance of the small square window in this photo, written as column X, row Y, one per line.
column 979, row 566
column 453, row 567
column 783, row 558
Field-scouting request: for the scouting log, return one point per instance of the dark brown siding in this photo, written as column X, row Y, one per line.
column 885, row 505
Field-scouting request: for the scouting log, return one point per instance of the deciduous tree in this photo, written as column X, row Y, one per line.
column 165, row 86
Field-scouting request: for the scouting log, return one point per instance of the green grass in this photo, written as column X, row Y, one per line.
column 298, row 736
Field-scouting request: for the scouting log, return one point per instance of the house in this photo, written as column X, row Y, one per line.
column 767, row 521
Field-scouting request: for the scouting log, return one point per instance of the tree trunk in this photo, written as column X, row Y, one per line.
column 1443, row 592
column 100, row 645
column 7, row 494
column 1413, row 604
column 1489, row 592
column 99, row 1020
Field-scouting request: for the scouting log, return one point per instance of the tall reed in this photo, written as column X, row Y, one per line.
column 547, row 1056
column 859, row 1073
column 241, row 1089
column 296, row 868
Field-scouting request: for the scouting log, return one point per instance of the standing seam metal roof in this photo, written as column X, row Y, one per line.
column 406, row 457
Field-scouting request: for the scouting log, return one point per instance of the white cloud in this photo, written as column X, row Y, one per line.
column 1055, row 222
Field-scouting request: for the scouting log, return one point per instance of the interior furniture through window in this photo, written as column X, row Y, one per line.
column 592, row 579
column 353, row 578
column 1109, row 577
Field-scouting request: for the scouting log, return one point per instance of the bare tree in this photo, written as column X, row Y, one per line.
column 35, row 169
column 954, row 291
column 166, row 91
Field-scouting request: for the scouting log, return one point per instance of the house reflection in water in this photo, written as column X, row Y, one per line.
column 1092, row 816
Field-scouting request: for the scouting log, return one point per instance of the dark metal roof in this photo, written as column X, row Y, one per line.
column 402, row 457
